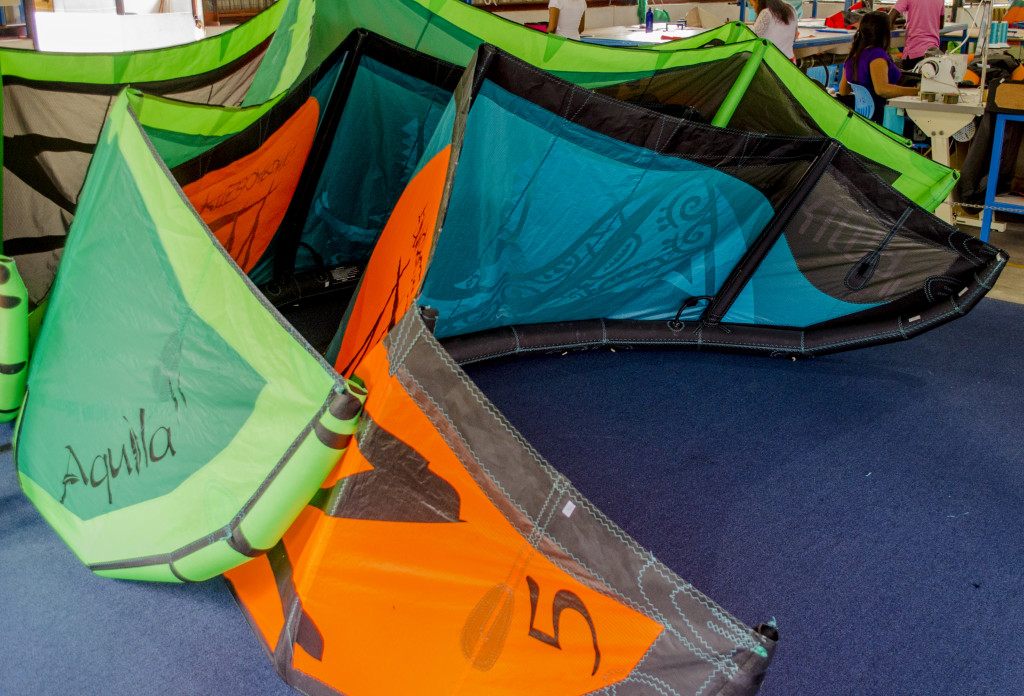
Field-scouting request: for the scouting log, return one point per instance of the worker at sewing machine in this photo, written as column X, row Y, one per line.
column 870, row 66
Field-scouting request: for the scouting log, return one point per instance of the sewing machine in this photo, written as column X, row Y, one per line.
column 940, row 75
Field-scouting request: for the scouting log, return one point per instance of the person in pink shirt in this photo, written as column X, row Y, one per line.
column 924, row 20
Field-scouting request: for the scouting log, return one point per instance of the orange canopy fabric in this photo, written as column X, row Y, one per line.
column 416, row 582
column 244, row 203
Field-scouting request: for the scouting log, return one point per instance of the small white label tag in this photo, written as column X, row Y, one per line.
column 570, row 507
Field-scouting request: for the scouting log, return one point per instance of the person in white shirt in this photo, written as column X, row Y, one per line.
column 776, row 21
column 565, row 17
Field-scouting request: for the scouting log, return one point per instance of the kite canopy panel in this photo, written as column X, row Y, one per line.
column 445, row 537
column 681, row 234
column 174, row 426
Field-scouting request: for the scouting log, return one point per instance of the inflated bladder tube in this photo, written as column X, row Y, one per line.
column 13, row 339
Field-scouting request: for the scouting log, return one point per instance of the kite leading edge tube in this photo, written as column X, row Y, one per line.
column 13, row 339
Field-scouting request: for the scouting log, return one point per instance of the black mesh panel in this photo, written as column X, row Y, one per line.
column 701, row 86
column 853, row 250
column 767, row 106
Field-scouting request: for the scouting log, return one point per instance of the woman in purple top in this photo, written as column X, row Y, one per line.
column 869, row 64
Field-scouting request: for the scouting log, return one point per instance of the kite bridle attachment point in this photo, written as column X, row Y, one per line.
column 676, row 324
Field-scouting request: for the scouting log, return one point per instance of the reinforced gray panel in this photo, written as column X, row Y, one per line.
column 703, row 649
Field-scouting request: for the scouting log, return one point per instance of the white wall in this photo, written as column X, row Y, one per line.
column 84, row 6
column 130, row 6
column 92, row 32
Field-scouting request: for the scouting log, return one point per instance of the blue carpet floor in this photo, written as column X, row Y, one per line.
column 871, row 502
